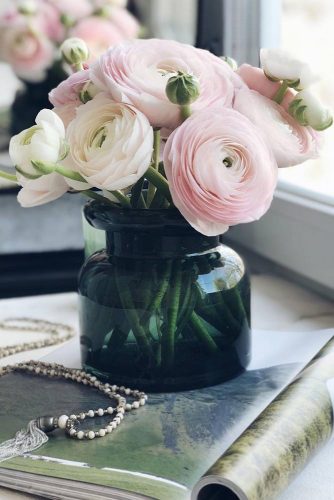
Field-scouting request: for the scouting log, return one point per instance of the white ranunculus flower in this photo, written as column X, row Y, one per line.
column 308, row 110
column 278, row 64
column 42, row 190
column 111, row 143
column 44, row 142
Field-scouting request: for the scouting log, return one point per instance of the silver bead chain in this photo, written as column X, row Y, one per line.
column 70, row 424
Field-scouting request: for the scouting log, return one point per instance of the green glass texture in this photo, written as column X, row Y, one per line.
column 162, row 307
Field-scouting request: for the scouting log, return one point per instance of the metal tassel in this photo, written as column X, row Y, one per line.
column 23, row 442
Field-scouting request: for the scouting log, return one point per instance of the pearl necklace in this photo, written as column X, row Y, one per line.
column 35, row 434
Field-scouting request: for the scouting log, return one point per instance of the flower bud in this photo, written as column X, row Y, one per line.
column 36, row 151
column 67, row 21
column 280, row 65
column 27, row 7
column 231, row 62
column 74, row 51
column 182, row 89
column 309, row 111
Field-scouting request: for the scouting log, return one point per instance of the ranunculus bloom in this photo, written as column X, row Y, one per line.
column 67, row 112
column 124, row 21
column 255, row 79
column 68, row 91
column 47, row 20
column 42, row 190
column 111, row 143
column 291, row 142
column 30, row 54
column 98, row 33
column 66, row 97
column 220, row 170
column 137, row 73
column 43, row 142
column 75, row 9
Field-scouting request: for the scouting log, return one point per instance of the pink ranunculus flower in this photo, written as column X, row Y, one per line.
column 124, row 21
column 42, row 190
column 68, row 91
column 47, row 19
column 28, row 52
column 98, row 33
column 255, row 79
column 220, row 170
column 136, row 72
column 291, row 142
column 66, row 97
column 75, row 9
column 66, row 112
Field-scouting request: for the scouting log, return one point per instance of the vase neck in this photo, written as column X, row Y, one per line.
column 161, row 233
column 156, row 244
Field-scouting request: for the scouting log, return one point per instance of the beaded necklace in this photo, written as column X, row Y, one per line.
column 36, row 433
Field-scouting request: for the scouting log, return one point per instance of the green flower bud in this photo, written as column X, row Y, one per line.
column 67, row 20
column 309, row 111
column 74, row 51
column 182, row 89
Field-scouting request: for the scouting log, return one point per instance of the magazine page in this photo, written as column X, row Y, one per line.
column 280, row 442
column 162, row 449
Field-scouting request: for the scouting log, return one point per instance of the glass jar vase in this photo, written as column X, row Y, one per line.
column 162, row 307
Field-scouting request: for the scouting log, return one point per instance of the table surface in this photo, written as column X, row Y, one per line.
column 276, row 305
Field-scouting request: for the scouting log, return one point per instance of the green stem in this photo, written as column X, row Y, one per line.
column 160, row 293
column 26, row 174
column 137, row 198
column 141, row 201
column 159, row 181
column 201, row 333
column 70, row 174
column 278, row 97
column 156, row 157
column 99, row 197
column 131, row 313
column 49, row 168
column 185, row 111
column 158, row 200
column 8, row 177
column 168, row 336
column 124, row 200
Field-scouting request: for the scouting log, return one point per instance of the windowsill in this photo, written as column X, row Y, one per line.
column 297, row 235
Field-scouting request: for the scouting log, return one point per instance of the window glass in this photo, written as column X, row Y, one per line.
column 308, row 31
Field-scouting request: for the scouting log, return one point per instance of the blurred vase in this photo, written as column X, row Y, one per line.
column 162, row 307
column 32, row 98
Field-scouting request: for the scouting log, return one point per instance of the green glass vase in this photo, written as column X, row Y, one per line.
column 162, row 307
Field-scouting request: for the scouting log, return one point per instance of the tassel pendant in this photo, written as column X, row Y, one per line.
column 24, row 441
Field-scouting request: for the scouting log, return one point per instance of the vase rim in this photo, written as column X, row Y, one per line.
column 106, row 217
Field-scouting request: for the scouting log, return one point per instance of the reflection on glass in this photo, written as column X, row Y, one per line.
column 307, row 30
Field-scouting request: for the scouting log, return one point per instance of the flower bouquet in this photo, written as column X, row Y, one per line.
column 174, row 145
column 31, row 32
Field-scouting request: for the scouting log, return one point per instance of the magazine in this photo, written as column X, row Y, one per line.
column 245, row 438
